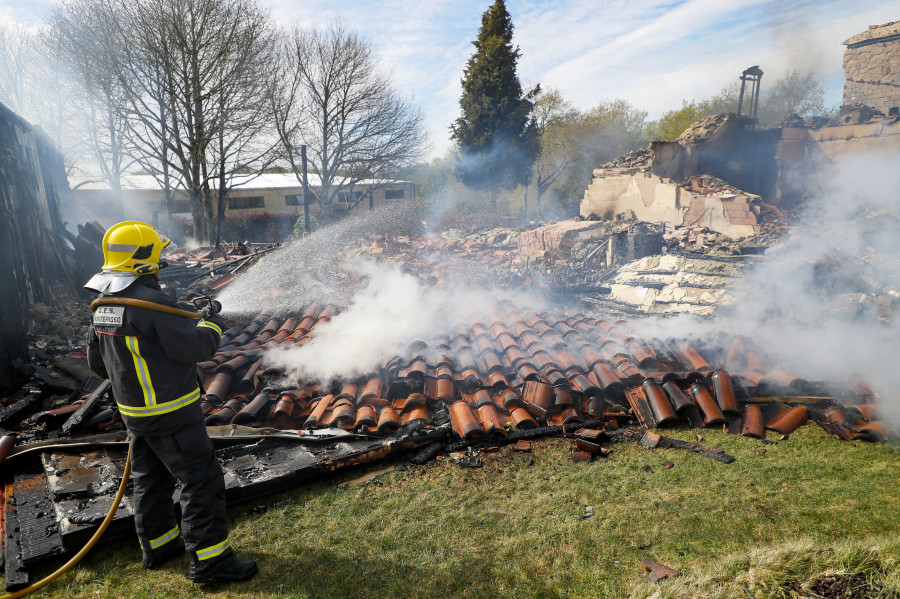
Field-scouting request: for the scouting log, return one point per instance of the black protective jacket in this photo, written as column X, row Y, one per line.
column 150, row 359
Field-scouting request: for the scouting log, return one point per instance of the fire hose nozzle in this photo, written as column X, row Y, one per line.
column 207, row 305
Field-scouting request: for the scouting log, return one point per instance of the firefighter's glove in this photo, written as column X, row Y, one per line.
column 206, row 305
column 216, row 320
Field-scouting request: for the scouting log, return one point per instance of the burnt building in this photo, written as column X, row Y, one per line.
column 33, row 251
column 872, row 68
column 723, row 169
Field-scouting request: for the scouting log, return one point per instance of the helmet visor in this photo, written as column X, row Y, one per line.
column 168, row 246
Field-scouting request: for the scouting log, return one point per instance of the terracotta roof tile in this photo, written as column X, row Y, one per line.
column 515, row 367
column 282, row 414
column 709, row 408
column 318, row 411
column 752, row 424
column 366, row 416
column 662, row 408
column 522, row 419
column 788, row 420
column 217, row 388
column 224, row 414
column 463, row 421
column 388, row 421
column 680, row 400
column 490, row 419
column 418, row 415
column 539, row 394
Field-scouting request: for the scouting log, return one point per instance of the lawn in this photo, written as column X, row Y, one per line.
column 784, row 518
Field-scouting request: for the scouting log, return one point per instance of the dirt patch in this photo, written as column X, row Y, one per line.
column 856, row 586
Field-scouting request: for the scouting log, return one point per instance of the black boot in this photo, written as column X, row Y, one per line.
column 157, row 557
column 226, row 568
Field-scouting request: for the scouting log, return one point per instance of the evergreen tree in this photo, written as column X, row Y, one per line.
column 496, row 133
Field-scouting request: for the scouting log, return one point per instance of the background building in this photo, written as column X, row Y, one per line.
column 872, row 68
column 251, row 209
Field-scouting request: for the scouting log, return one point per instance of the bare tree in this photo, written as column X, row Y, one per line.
column 144, row 66
column 85, row 35
column 18, row 60
column 35, row 85
column 209, row 51
column 329, row 94
column 180, row 85
column 245, row 144
column 555, row 119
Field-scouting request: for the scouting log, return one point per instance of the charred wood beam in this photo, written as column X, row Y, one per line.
column 15, row 574
column 528, row 434
column 653, row 441
column 427, row 454
column 85, row 408
column 27, row 406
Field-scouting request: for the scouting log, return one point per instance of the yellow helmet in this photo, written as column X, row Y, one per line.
column 133, row 247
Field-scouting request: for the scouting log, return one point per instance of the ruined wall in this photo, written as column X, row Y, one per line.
column 833, row 142
column 872, row 68
column 32, row 250
column 804, row 154
column 558, row 238
column 654, row 199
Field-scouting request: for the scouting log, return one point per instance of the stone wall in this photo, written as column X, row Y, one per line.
column 872, row 68
column 653, row 199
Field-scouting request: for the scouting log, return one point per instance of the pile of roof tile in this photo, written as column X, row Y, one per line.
column 517, row 368
column 506, row 367
column 441, row 261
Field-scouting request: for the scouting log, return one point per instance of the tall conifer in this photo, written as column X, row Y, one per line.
column 496, row 133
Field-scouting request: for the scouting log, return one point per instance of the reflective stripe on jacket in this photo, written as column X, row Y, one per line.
column 150, row 359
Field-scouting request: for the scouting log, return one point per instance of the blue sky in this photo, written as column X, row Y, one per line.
column 654, row 53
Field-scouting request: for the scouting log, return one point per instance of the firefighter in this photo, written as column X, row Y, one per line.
column 150, row 357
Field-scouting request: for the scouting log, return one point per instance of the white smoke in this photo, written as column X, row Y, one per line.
column 381, row 307
column 811, row 305
column 380, row 322
column 311, row 270
column 814, row 303
column 382, row 319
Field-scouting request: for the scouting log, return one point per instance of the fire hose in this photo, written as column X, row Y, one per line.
column 211, row 306
column 88, row 546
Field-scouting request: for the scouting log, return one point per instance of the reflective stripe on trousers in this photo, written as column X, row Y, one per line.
column 215, row 550
column 162, row 540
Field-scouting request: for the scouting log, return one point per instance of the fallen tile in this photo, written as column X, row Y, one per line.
column 658, row 571
column 582, row 456
column 522, row 445
column 590, row 434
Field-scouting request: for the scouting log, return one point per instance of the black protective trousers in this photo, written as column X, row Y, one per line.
column 188, row 457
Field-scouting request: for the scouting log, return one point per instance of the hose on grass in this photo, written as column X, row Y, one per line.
column 104, row 301
column 88, row 546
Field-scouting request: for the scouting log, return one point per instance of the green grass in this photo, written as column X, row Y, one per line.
column 805, row 508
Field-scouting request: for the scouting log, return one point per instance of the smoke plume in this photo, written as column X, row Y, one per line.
column 821, row 303
column 383, row 307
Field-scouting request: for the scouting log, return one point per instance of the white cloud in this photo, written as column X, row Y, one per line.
column 30, row 13
column 654, row 53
